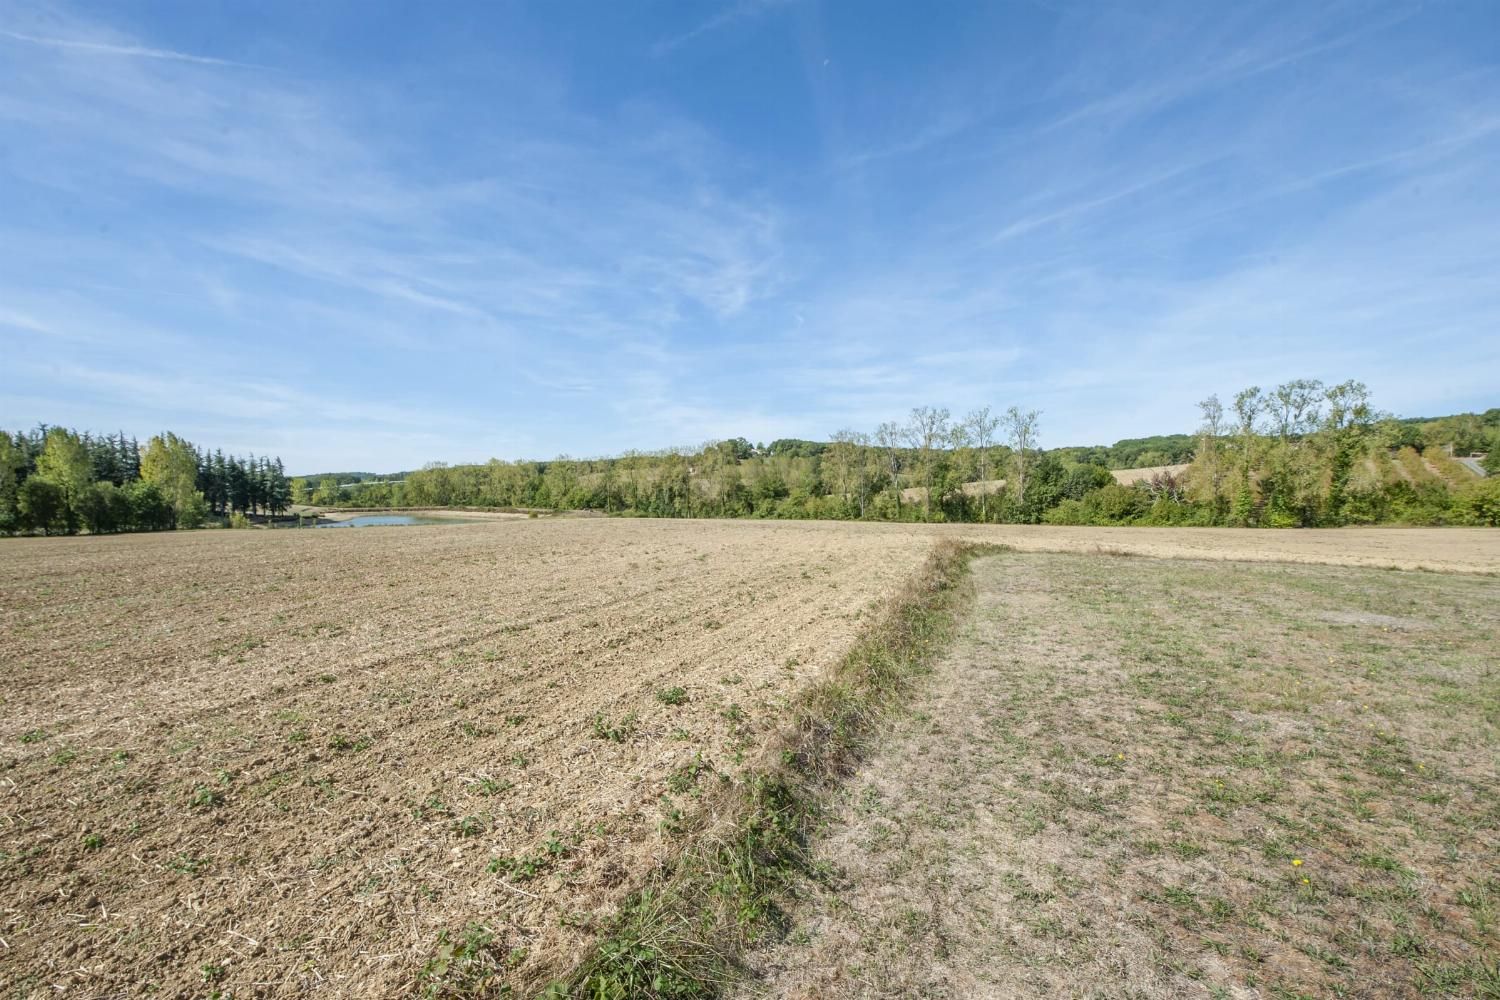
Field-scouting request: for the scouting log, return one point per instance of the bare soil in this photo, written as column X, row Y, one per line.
column 265, row 762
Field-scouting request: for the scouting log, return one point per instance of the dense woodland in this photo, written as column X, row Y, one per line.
column 1300, row 454
column 57, row 481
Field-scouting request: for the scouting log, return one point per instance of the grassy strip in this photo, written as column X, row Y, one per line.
column 681, row 936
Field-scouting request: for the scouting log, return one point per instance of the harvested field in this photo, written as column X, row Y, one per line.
column 1458, row 550
column 277, row 761
column 271, row 761
column 1128, row 477
column 1190, row 779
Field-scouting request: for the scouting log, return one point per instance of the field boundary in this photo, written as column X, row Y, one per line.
column 682, row 934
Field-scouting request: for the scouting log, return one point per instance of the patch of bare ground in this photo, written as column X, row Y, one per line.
column 1137, row 778
column 268, row 762
column 1460, row 550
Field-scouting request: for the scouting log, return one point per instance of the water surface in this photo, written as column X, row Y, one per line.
column 386, row 520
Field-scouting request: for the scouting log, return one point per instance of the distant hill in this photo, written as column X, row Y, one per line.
column 340, row 477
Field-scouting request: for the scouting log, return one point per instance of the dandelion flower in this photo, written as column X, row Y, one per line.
column 1296, row 862
column 1307, row 881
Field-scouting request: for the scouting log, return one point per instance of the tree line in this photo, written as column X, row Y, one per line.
column 54, row 480
column 1299, row 454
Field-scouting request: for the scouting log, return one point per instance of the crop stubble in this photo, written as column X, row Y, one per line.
column 249, row 758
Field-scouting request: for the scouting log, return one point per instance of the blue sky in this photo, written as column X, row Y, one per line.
column 370, row 236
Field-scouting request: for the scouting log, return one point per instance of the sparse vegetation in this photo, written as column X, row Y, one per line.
column 1158, row 779
column 672, row 696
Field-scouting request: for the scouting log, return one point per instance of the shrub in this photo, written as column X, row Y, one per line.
column 149, row 509
column 194, row 511
column 1478, row 502
column 104, row 508
column 1067, row 512
column 1084, row 480
column 41, row 506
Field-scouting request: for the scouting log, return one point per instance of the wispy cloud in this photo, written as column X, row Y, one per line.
column 1105, row 216
column 742, row 10
column 132, row 51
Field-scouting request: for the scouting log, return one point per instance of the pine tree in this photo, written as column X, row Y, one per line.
column 220, row 498
column 281, row 489
column 239, row 486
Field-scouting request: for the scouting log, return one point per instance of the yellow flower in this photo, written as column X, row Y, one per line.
column 1296, row 862
column 1307, row 881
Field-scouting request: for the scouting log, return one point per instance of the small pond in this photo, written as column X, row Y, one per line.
column 386, row 520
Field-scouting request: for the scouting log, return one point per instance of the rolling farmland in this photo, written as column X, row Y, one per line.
column 263, row 762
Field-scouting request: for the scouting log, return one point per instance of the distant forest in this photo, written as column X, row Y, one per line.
column 57, row 481
column 1300, row 454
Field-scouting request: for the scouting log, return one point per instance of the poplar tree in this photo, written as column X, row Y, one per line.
column 1021, row 428
column 981, row 426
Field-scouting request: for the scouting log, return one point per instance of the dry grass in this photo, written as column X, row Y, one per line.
column 1129, row 477
column 1141, row 778
column 1456, row 550
column 683, row 934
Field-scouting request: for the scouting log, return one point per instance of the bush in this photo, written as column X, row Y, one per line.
column 149, row 509
column 1112, row 505
column 104, row 508
column 238, row 520
column 1423, row 503
column 42, row 507
column 1067, row 512
column 193, row 513
column 1115, row 504
column 1083, row 480
column 1478, row 502
column 1168, row 512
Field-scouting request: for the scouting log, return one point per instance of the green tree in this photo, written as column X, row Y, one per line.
column 926, row 431
column 327, row 493
column 1478, row 502
column 279, row 497
column 150, row 510
column 981, row 426
column 105, row 508
column 1210, row 456
column 65, row 462
column 1021, row 429
column 889, row 436
column 1346, row 425
column 171, row 465
column 43, row 507
column 12, row 470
